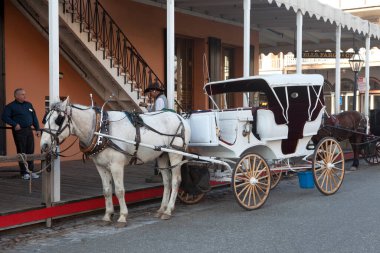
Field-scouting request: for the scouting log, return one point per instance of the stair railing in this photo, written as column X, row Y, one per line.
column 109, row 38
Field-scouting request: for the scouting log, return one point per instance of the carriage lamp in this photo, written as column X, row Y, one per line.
column 356, row 63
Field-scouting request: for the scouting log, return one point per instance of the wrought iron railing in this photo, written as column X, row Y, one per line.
column 109, row 38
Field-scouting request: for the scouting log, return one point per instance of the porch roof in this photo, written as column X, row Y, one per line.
column 276, row 22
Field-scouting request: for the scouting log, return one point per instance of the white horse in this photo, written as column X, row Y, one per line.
column 161, row 129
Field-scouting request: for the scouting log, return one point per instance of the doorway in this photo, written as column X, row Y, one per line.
column 184, row 50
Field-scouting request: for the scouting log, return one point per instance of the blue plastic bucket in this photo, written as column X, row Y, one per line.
column 305, row 179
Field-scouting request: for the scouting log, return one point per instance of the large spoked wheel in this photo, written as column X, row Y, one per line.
column 328, row 166
column 188, row 198
column 275, row 177
column 372, row 153
column 251, row 181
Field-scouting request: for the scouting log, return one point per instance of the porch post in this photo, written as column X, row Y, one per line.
column 366, row 98
column 299, row 42
column 247, row 44
column 338, row 33
column 54, row 86
column 170, row 52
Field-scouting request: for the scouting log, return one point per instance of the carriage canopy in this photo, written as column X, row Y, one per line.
column 282, row 91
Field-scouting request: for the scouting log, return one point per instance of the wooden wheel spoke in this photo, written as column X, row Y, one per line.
column 242, row 172
column 324, row 177
column 333, row 178
column 336, row 156
column 320, row 168
column 260, row 178
column 249, row 196
column 242, row 184
column 244, row 178
column 258, row 194
column 322, row 173
column 246, row 193
column 254, row 198
column 338, row 162
column 257, row 170
column 330, row 181
column 243, row 190
column 261, row 189
column 263, row 184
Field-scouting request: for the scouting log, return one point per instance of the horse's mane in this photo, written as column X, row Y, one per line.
column 81, row 107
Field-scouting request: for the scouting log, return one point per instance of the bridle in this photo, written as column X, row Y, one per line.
column 62, row 115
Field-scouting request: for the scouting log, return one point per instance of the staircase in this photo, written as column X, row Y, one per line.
column 97, row 48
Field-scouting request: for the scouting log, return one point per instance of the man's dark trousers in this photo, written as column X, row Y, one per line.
column 24, row 141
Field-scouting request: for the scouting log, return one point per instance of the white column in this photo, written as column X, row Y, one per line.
column 366, row 97
column 170, row 52
column 247, row 44
column 338, row 33
column 299, row 42
column 54, row 85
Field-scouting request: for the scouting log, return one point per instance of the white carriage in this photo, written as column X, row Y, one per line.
column 261, row 142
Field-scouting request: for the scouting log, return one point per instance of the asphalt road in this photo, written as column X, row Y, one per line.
column 292, row 220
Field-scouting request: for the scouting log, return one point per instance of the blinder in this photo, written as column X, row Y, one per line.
column 59, row 120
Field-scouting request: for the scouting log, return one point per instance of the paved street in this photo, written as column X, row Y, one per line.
column 292, row 220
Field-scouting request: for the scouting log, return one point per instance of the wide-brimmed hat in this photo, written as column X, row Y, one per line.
column 153, row 86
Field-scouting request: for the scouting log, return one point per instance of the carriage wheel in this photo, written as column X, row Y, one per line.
column 373, row 153
column 251, row 181
column 188, row 198
column 328, row 166
column 275, row 177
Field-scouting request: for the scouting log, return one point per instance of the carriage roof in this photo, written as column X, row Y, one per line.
column 259, row 83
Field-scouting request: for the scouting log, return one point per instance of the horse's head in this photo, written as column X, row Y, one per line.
column 57, row 125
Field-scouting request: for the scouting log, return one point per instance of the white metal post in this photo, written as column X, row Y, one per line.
column 54, row 85
column 299, row 42
column 170, row 52
column 338, row 33
column 366, row 97
column 247, row 44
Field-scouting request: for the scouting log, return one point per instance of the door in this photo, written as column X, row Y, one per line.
column 184, row 50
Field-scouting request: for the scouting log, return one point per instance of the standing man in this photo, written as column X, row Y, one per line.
column 157, row 94
column 21, row 116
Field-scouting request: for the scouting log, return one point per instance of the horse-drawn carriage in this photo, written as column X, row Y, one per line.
column 263, row 142
column 259, row 143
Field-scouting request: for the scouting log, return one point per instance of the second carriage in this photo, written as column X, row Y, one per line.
column 262, row 142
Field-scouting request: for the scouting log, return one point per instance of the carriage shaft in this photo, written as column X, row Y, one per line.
column 168, row 150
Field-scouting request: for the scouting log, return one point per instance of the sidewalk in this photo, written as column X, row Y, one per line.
column 78, row 181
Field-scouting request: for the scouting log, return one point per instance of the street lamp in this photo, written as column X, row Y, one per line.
column 356, row 63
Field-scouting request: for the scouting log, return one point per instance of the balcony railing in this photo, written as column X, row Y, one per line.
column 94, row 20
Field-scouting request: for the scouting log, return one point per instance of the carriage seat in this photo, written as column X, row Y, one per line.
column 311, row 127
column 267, row 128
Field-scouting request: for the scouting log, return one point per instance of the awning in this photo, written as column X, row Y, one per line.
column 276, row 22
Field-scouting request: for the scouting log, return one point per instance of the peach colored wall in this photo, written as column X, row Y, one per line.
column 27, row 66
column 26, row 52
column 134, row 19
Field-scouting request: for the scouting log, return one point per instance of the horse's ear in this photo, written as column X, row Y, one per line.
column 65, row 103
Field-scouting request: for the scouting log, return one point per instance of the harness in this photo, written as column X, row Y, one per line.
column 138, row 122
column 98, row 143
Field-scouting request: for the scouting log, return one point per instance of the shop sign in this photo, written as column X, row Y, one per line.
column 343, row 55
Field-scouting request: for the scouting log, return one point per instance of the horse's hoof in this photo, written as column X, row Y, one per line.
column 353, row 168
column 157, row 215
column 165, row 216
column 121, row 224
column 104, row 223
